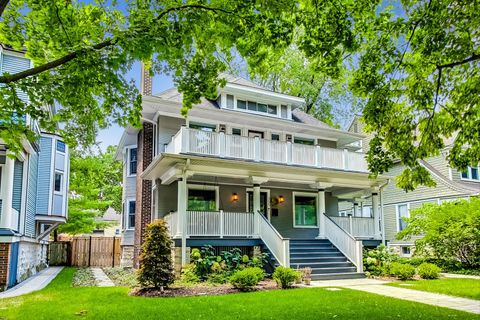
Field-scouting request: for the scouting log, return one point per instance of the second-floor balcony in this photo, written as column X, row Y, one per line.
column 221, row 145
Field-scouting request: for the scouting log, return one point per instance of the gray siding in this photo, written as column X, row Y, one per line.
column 17, row 185
column 44, row 175
column 31, row 195
column 167, row 199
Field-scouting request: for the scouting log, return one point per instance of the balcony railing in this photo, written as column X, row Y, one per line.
column 359, row 227
column 222, row 145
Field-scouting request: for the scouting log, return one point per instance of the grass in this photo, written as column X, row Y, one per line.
column 460, row 287
column 60, row 300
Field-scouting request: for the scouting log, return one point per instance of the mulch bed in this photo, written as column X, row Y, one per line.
column 199, row 290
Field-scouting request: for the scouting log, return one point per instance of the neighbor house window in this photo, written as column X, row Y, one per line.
column 406, row 250
column 61, row 146
column 305, row 207
column 131, row 214
column 472, row 173
column 402, row 212
column 132, row 161
column 202, row 200
column 58, row 182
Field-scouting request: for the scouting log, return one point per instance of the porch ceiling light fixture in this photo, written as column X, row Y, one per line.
column 234, row 197
column 281, row 199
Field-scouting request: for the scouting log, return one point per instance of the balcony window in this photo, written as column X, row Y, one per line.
column 272, row 109
column 230, row 101
column 202, row 200
column 284, row 112
column 204, row 127
column 236, row 132
column 472, row 173
column 132, row 161
column 305, row 207
column 305, row 141
column 275, row 137
column 241, row 104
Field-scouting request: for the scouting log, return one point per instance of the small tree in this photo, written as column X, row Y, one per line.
column 451, row 231
column 156, row 257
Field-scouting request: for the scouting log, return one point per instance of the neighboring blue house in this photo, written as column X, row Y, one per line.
column 33, row 193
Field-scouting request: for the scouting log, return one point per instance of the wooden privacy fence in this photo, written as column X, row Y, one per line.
column 86, row 252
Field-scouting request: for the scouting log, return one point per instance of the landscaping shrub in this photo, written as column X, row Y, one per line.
column 189, row 274
column 428, row 271
column 156, row 265
column 401, row 271
column 376, row 261
column 247, row 279
column 285, row 277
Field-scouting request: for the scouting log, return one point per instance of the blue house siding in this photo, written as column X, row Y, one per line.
column 13, row 64
column 17, row 185
column 31, row 195
column 44, row 175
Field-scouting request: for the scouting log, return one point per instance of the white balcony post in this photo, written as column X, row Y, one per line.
column 318, row 156
column 184, row 135
column 350, row 224
column 222, row 219
column 256, row 207
column 221, row 144
column 376, row 214
column 345, row 159
column 289, row 152
column 6, row 194
column 257, row 149
column 355, row 209
column 321, row 213
column 182, row 215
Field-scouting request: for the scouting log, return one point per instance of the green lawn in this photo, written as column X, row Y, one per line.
column 61, row 301
column 467, row 288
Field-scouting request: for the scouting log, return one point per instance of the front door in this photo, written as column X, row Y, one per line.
column 255, row 134
column 264, row 204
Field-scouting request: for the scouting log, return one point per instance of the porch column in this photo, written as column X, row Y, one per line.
column 6, row 193
column 182, row 215
column 376, row 214
column 321, row 213
column 355, row 210
column 256, row 207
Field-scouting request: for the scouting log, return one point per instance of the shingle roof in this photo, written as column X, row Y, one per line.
column 300, row 116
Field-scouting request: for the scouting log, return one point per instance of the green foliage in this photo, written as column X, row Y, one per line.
column 449, row 231
column 285, row 277
column 156, row 265
column 246, row 279
column 401, row 271
column 95, row 185
column 418, row 63
column 376, row 261
column 189, row 274
column 428, row 271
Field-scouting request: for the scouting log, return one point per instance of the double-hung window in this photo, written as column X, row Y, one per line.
column 132, row 161
column 472, row 173
column 305, row 208
column 202, row 199
column 131, row 214
column 402, row 212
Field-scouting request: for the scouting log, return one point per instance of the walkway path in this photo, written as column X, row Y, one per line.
column 463, row 276
column 101, row 278
column 34, row 283
column 379, row 287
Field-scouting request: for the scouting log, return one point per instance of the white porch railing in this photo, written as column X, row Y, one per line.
column 345, row 242
column 278, row 246
column 219, row 224
column 222, row 145
column 356, row 226
column 172, row 222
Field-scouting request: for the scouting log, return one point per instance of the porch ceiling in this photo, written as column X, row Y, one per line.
column 169, row 167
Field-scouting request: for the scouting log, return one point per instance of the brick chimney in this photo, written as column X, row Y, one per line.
column 143, row 208
column 146, row 81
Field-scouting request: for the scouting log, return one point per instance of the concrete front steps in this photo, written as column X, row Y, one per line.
column 326, row 261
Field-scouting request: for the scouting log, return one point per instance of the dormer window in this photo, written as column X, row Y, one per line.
column 228, row 101
column 472, row 173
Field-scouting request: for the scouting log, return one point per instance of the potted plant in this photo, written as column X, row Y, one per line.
column 307, row 275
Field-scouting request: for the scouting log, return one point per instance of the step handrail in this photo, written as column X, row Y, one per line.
column 278, row 245
column 345, row 242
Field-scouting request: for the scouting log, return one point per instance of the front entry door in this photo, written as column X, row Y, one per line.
column 255, row 134
column 264, row 204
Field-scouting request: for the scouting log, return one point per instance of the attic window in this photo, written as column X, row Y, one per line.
column 284, row 112
column 230, row 101
column 355, row 128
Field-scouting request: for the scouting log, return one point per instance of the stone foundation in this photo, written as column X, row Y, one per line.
column 177, row 260
column 126, row 260
column 32, row 258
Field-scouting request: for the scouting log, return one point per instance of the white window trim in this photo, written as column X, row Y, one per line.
column 127, row 216
column 205, row 187
column 397, row 213
column 303, row 194
column 262, row 101
column 469, row 174
column 247, row 201
column 127, row 151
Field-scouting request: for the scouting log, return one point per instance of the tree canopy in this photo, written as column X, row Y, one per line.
column 95, row 186
column 415, row 64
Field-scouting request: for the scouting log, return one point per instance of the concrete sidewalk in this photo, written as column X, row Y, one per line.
column 34, row 283
column 379, row 287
